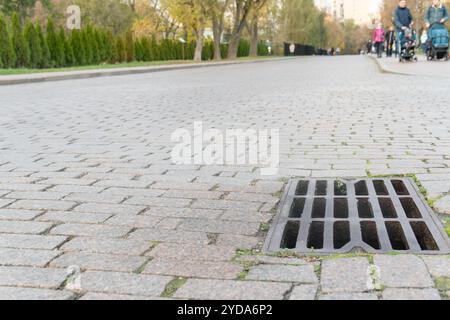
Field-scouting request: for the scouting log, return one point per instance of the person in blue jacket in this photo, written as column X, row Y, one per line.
column 403, row 20
column 436, row 13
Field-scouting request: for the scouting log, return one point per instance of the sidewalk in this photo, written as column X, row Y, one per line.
column 421, row 68
column 93, row 73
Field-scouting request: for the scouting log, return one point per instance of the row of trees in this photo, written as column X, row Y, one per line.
column 239, row 27
column 30, row 46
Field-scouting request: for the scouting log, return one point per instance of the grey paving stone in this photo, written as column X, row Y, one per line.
column 182, row 186
column 247, row 216
column 95, row 198
column 5, row 202
column 67, row 181
column 220, row 226
column 194, row 269
column 14, row 294
column 283, row 273
column 42, row 205
column 174, row 236
column 45, row 195
column 253, row 197
column 345, row 275
column 32, row 277
column 349, row 297
column 109, row 208
column 193, row 252
column 114, row 297
column 231, row 290
column 183, row 213
column 26, row 227
column 159, row 202
column 26, row 257
column 16, row 214
column 273, row 260
column 405, row 271
column 129, row 192
column 22, row 187
column 30, row 241
column 304, row 293
column 113, row 246
column 443, row 205
column 438, row 266
column 190, row 194
column 237, row 241
column 90, row 230
column 134, row 221
column 124, row 283
column 73, row 189
column 75, row 217
column 411, row 294
column 99, row 262
column 226, row 205
column 169, row 223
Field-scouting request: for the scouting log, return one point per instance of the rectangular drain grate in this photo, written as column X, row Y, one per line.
column 326, row 216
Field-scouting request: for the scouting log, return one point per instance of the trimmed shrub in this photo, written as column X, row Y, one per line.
column 7, row 54
column 45, row 59
column 19, row 43
column 34, row 44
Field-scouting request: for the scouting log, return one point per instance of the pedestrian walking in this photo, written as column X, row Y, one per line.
column 390, row 41
column 436, row 13
column 378, row 39
column 403, row 21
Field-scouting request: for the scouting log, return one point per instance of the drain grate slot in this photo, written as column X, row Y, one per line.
column 290, row 235
column 365, row 210
column 302, row 188
column 319, row 208
column 341, row 208
column 387, row 208
column 321, row 188
column 315, row 237
column 298, row 205
column 397, row 236
column 380, row 188
column 340, row 188
column 424, row 236
column 327, row 216
column 341, row 234
column 370, row 235
column 410, row 208
column 400, row 188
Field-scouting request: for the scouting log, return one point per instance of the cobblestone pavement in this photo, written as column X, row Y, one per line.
column 92, row 208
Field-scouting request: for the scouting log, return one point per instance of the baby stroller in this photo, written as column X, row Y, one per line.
column 437, row 47
column 408, row 45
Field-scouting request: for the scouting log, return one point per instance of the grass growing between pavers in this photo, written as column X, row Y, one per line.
column 443, row 285
column 173, row 286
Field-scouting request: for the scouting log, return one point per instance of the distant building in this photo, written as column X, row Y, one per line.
column 361, row 11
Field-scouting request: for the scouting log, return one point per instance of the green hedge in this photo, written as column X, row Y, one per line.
column 32, row 46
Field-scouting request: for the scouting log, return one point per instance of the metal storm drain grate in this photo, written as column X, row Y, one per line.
column 371, row 215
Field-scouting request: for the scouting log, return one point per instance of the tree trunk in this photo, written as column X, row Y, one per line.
column 240, row 19
column 199, row 46
column 217, row 32
column 254, row 37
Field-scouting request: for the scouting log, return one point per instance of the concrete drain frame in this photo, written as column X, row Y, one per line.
column 332, row 216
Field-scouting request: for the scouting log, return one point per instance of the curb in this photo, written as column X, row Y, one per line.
column 383, row 68
column 87, row 74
